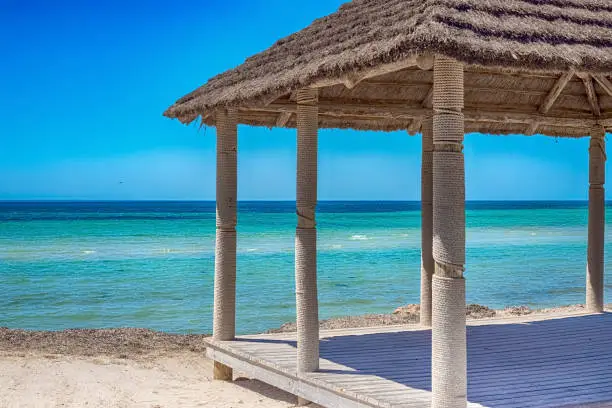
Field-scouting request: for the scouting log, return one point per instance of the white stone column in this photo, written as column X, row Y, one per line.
column 427, row 261
column 224, row 317
column 449, row 351
column 597, row 221
column 307, row 304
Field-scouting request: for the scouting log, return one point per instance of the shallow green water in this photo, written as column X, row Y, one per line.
column 65, row 265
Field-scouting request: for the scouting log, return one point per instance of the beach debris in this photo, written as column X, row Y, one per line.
column 474, row 311
column 518, row 310
column 479, row 311
column 408, row 310
column 130, row 344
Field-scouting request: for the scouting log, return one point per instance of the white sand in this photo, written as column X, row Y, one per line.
column 35, row 380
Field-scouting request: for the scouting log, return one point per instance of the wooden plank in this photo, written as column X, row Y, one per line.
column 485, row 366
column 535, row 352
column 539, row 351
column 290, row 383
column 556, row 397
column 529, row 388
column 478, row 363
column 532, row 343
column 493, row 346
column 505, row 380
column 509, row 378
column 490, row 332
column 544, row 387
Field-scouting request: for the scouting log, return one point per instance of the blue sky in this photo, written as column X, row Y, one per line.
column 84, row 84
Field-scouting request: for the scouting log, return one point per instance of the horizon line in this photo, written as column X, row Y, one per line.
column 268, row 201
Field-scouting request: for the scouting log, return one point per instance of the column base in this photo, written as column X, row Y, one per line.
column 426, row 299
column 222, row 372
column 449, row 347
column 595, row 309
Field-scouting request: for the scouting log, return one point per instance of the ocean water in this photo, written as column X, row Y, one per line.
column 150, row 264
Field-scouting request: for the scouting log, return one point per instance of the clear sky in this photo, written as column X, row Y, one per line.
column 83, row 85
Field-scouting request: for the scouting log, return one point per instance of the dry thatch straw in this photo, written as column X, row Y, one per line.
column 515, row 52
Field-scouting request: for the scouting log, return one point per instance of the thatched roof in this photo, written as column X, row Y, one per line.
column 494, row 38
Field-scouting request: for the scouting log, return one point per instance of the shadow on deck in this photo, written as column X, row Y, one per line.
column 548, row 363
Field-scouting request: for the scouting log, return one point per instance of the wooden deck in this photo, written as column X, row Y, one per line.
column 517, row 363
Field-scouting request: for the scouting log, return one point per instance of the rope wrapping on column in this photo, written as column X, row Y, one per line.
column 306, row 233
column 224, row 314
column 597, row 215
column 597, row 157
column 224, row 319
column 448, row 85
column 227, row 169
column 449, row 209
column 449, row 169
column 307, row 302
column 448, row 127
column 449, row 359
column 308, row 127
column 427, row 261
column 449, row 348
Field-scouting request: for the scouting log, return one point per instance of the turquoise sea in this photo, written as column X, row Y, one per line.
column 150, row 264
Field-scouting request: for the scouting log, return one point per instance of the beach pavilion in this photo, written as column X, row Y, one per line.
column 440, row 68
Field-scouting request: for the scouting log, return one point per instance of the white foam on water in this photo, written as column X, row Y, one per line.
column 164, row 251
column 89, row 252
column 360, row 238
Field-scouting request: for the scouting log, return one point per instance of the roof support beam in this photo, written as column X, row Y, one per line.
column 428, row 101
column 351, row 80
column 554, row 93
column 283, row 119
column 415, row 126
column 607, row 123
column 550, row 99
column 532, row 128
column 400, row 111
column 604, row 83
column 417, row 122
column 591, row 94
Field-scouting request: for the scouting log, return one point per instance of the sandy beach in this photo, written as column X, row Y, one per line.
column 142, row 368
column 172, row 381
column 118, row 368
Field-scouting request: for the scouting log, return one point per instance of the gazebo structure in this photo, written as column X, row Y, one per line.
column 441, row 68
